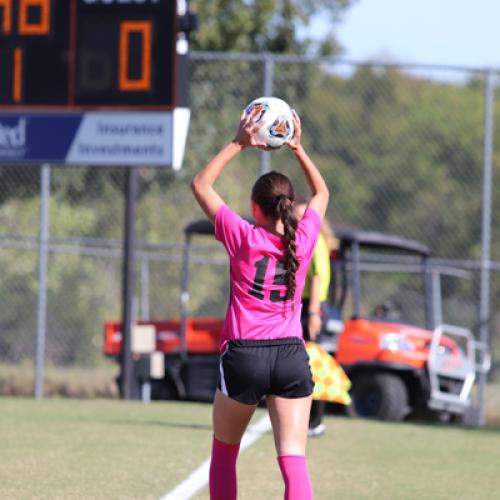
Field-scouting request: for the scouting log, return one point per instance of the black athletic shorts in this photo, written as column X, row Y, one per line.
column 251, row 369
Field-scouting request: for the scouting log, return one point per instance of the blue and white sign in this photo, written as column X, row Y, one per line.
column 95, row 138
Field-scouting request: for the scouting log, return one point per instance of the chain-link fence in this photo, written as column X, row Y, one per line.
column 403, row 148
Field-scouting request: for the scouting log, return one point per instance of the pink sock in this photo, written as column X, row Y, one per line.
column 222, row 479
column 296, row 477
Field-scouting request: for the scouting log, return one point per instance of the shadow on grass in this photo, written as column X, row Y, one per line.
column 442, row 426
column 339, row 411
column 142, row 422
column 454, row 426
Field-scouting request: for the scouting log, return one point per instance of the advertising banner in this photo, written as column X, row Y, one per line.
column 95, row 138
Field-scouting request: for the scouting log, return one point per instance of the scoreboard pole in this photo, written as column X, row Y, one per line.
column 128, row 383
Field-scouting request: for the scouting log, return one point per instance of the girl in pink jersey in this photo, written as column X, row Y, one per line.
column 263, row 353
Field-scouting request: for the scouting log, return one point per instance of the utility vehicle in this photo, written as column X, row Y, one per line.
column 401, row 359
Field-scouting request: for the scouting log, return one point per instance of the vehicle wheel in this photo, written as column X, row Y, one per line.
column 379, row 395
column 469, row 418
column 163, row 389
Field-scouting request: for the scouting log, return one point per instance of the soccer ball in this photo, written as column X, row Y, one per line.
column 278, row 120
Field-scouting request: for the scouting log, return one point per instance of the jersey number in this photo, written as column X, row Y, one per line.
column 257, row 289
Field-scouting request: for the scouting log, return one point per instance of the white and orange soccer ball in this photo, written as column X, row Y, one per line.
column 278, row 120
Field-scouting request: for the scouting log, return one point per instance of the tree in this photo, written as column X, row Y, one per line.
column 265, row 25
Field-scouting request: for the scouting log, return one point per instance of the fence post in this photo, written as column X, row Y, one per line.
column 484, row 299
column 145, row 297
column 437, row 306
column 265, row 156
column 42, row 279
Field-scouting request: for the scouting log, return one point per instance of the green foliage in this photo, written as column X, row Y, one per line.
column 264, row 25
column 401, row 153
column 18, row 183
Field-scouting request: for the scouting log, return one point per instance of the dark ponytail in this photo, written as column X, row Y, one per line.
column 284, row 210
column 273, row 192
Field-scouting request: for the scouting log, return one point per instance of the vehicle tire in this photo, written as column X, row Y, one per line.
column 470, row 417
column 163, row 389
column 382, row 396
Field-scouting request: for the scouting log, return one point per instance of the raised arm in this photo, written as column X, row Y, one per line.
column 320, row 193
column 202, row 184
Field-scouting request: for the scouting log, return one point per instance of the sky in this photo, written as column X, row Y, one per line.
column 447, row 32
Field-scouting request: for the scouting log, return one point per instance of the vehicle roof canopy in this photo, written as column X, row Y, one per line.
column 203, row 226
column 374, row 239
column 347, row 237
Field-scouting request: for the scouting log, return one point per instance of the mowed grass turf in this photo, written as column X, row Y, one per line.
column 71, row 449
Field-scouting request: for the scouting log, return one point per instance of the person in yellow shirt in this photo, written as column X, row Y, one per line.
column 314, row 296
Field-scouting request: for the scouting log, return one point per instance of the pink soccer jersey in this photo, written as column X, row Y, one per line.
column 257, row 307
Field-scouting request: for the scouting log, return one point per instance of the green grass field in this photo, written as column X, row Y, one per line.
column 98, row 449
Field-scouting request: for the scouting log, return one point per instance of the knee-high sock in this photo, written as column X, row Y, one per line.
column 222, row 480
column 297, row 482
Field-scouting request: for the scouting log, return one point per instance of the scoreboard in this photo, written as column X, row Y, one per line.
column 87, row 53
column 92, row 82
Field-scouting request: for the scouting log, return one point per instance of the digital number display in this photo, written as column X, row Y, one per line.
column 88, row 53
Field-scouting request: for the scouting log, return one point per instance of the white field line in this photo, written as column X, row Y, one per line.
column 199, row 477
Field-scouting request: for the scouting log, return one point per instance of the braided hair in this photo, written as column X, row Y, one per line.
column 274, row 194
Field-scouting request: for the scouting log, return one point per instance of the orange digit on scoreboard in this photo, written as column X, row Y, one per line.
column 17, row 94
column 6, row 6
column 143, row 83
column 42, row 27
